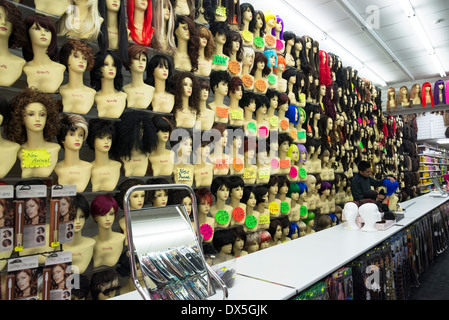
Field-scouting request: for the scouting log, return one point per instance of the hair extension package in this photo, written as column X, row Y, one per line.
column 7, row 218
column 62, row 214
column 22, row 279
column 57, row 276
column 31, row 208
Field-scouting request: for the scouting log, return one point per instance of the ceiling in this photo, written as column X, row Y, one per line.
column 347, row 33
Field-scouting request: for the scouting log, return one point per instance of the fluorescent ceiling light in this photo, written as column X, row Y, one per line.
column 443, row 141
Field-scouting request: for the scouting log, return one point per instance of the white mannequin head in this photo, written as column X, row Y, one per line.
column 350, row 212
column 370, row 215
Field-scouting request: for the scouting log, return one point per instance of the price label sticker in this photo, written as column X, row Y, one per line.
column 222, row 112
column 271, row 79
column 273, row 207
column 206, row 231
column 237, row 163
column 250, row 221
column 236, row 114
column 247, row 80
column 259, row 42
column 238, row 214
column 252, row 127
column 234, row 67
column 247, row 36
column 303, row 211
column 274, row 121
column 263, row 132
column 293, row 172
column 222, row 217
column 264, row 218
column 302, row 173
column 261, row 85
column 284, row 124
column 35, row 158
column 274, row 163
column 285, row 164
column 285, row 207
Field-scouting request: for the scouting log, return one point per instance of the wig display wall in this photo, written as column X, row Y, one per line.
column 264, row 125
column 390, row 270
column 432, row 164
column 418, row 95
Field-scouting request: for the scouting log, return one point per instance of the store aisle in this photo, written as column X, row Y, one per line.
column 434, row 281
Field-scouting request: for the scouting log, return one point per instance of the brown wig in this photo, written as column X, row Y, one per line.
column 178, row 92
column 15, row 128
column 44, row 22
column 204, row 32
column 73, row 45
column 193, row 43
column 135, row 50
column 17, row 37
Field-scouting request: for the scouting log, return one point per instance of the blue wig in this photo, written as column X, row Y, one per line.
column 302, row 187
column 293, row 229
column 292, row 114
column 269, row 54
column 390, row 186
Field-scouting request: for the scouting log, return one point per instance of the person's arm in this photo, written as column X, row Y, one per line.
column 376, row 183
column 356, row 189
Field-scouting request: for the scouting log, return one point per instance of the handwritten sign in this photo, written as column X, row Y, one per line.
column 222, row 112
column 184, row 174
column 234, row 67
column 222, row 217
column 35, row 158
column 285, row 164
column 264, row 173
column 238, row 214
column 285, row 207
column 251, row 221
column 284, row 124
column 264, row 218
column 273, row 207
column 249, row 173
column 236, row 114
column 206, row 231
column 247, row 36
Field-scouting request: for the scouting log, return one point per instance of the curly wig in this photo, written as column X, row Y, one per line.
column 100, row 128
column 204, row 32
column 193, row 43
column 73, row 45
column 96, row 72
column 135, row 130
column 234, row 84
column 15, row 129
column 44, row 22
column 17, row 38
column 178, row 92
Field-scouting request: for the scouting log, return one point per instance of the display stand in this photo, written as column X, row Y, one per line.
column 167, row 251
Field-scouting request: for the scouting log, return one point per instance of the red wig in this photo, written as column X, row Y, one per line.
column 264, row 236
column 204, row 194
column 147, row 30
column 325, row 71
column 102, row 204
column 424, row 86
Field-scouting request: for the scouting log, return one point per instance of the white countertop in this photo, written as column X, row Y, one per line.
column 282, row 271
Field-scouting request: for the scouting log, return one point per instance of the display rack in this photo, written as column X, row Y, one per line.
column 167, row 251
column 433, row 163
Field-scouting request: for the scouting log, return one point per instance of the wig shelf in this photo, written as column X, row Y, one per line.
column 417, row 109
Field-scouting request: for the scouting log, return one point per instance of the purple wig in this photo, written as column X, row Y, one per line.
column 302, row 149
column 273, row 31
column 436, row 93
column 325, row 185
column 102, row 204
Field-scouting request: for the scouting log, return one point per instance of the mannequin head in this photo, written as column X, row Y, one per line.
column 219, row 82
column 220, row 31
column 163, row 128
column 138, row 59
column 135, row 131
column 252, row 242
column 160, row 67
column 158, row 197
column 143, row 36
column 272, row 58
column 370, row 215
column 136, row 199
column 236, row 186
column 204, row 200
column 264, row 240
column 234, row 44
column 74, row 130
column 292, row 114
column 34, row 23
column 82, row 212
column 248, row 56
column 293, row 191
column 220, row 188
column 247, row 13
column 261, row 64
column 284, row 141
column 88, row 28
column 427, row 90
column 235, row 88
column 303, row 155
column 204, row 34
column 104, row 209
column 325, row 188
column 311, row 182
column 284, row 184
column 185, row 30
column 25, row 103
column 107, row 65
column 104, row 7
column 102, row 135
column 310, row 220
column 261, row 194
column 223, row 241
column 439, row 86
column 258, row 23
column 278, row 28
column 294, row 231
column 16, row 30
column 74, row 52
column 163, row 26
column 275, row 229
column 186, row 86
column 270, row 19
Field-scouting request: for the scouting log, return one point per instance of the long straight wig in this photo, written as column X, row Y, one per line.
column 147, row 30
column 161, row 31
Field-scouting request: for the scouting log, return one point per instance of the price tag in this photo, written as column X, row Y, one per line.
column 264, row 218
column 222, row 217
column 222, row 112
column 293, row 133
column 285, row 164
column 284, row 124
column 274, row 163
column 261, row 85
column 263, row 132
column 301, row 134
column 259, row 42
column 279, row 45
column 293, row 172
column 247, row 36
column 264, row 173
column 285, row 207
column 303, row 211
column 247, row 80
column 236, row 114
column 249, row 173
column 270, row 40
column 35, row 158
column 237, row 163
column 302, row 173
column 273, row 207
column 184, row 174
column 274, row 121
column 251, row 221
column 220, row 60
column 271, row 79
column 252, row 127
column 238, row 214
column 234, row 67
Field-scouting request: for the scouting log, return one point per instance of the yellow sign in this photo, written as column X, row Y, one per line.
column 35, row 158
